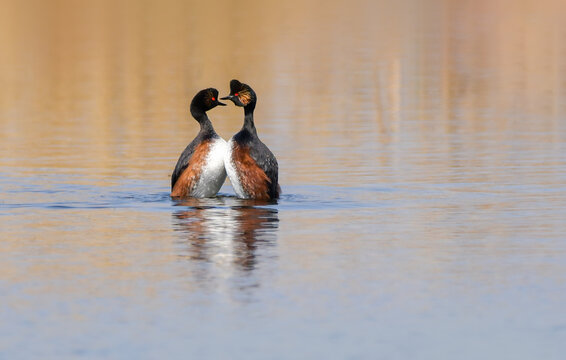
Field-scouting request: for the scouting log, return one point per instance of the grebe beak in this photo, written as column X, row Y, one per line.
column 220, row 103
column 229, row 97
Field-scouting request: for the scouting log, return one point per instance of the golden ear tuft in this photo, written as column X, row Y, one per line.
column 245, row 97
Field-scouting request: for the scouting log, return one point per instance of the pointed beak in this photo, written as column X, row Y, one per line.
column 229, row 97
column 220, row 103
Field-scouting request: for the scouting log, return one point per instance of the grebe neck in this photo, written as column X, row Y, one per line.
column 203, row 120
column 249, row 119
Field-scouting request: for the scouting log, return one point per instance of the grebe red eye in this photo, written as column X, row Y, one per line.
column 236, row 94
column 213, row 98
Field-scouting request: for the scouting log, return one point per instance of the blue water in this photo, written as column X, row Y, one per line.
column 380, row 271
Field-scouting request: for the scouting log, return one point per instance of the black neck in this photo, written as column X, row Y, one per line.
column 249, row 118
column 202, row 119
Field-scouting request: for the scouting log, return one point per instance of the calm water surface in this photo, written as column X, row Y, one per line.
column 422, row 154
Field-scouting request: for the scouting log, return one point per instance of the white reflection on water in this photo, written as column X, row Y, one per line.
column 224, row 242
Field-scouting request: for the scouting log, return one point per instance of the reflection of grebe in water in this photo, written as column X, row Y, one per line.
column 227, row 236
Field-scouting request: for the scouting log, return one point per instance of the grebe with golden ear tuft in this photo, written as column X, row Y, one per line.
column 250, row 165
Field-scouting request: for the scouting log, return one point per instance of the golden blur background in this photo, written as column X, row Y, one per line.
column 105, row 85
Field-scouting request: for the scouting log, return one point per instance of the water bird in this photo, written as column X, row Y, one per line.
column 251, row 166
column 200, row 169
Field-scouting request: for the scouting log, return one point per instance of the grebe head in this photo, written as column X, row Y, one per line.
column 206, row 99
column 241, row 94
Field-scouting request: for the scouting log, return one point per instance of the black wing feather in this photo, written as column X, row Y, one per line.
column 268, row 163
column 183, row 161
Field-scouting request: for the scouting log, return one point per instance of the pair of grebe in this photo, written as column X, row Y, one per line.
column 250, row 165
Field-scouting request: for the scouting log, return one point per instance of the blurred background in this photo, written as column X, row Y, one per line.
column 422, row 154
column 108, row 78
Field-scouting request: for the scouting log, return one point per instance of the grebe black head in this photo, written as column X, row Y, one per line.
column 203, row 101
column 241, row 94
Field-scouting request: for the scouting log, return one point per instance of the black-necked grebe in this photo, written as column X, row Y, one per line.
column 200, row 169
column 251, row 166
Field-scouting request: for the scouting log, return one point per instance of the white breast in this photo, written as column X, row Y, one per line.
column 213, row 173
column 232, row 172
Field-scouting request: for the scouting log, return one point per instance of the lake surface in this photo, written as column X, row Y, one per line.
column 422, row 154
